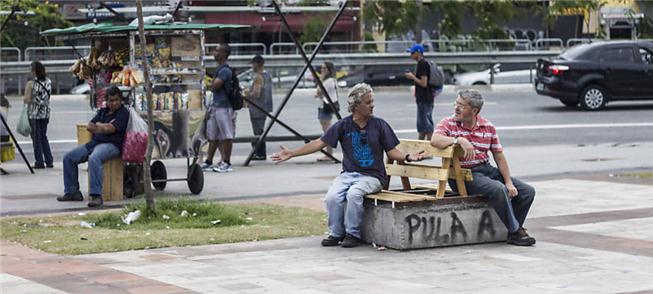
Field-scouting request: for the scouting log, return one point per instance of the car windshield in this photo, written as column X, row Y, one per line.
column 574, row 52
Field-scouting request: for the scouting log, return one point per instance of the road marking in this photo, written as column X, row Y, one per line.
column 512, row 128
column 451, row 104
column 51, row 142
column 549, row 127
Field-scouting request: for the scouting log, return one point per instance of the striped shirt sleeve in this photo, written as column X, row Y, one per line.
column 495, row 144
column 443, row 127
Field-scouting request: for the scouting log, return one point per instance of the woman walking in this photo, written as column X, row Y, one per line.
column 37, row 98
column 324, row 111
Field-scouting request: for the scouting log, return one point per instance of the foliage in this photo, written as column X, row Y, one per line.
column 23, row 30
column 578, row 8
column 313, row 30
column 391, row 17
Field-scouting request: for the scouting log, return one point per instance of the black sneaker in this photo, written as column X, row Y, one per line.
column 75, row 196
column 520, row 238
column 331, row 241
column 96, row 201
column 350, row 241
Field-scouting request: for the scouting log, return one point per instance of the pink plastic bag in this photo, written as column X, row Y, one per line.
column 135, row 144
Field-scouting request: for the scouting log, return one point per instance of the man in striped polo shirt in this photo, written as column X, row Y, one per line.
column 510, row 197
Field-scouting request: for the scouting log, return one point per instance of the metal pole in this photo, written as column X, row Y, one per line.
column 17, row 145
column 297, row 134
column 292, row 89
column 149, row 196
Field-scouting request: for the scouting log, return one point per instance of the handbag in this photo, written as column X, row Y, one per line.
column 23, row 126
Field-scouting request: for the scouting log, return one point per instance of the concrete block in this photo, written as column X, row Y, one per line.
column 426, row 224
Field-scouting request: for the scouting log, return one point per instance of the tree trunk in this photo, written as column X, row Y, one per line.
column 418, row 23
column 149, row 197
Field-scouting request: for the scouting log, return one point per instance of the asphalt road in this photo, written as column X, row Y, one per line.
column 523, row 118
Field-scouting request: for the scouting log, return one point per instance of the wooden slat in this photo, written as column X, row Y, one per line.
column 399, row 197
column 429, row 173
column 410, row 146
column 467, row 173
column 458, row 174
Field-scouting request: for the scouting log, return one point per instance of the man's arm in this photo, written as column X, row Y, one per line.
column 502, row 165
column 442, row 141
column 217, row 84
column 422, row 81
column 257, row 86
column 101, row 128
column 397, row 155
column 308, row 148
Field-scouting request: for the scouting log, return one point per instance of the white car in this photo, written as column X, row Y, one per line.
column 524, row 76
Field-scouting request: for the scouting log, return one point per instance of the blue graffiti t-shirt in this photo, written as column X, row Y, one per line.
column 362, row 149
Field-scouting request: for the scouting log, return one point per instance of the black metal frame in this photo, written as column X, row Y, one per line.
column 297, row 80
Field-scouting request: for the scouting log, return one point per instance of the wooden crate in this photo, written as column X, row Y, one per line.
column 83, row 135
column 112, row 181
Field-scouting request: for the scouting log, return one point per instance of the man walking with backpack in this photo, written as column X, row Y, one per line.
column 221, row 117
column 424, row 92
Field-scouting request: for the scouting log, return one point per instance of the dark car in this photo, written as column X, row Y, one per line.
column 378, row 76
column 598, row 73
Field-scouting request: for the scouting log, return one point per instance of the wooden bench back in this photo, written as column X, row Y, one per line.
column 449, row 168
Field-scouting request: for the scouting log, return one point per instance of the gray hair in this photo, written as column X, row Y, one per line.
column 356, row 95
column 473, row 97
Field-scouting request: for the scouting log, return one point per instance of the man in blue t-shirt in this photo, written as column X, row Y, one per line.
column 108, row 129
column 364, row 138
column 221, row 118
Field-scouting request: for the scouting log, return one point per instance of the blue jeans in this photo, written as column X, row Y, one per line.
column 40, row 143
column 96, row 157
column 424, row 117
column 489, row 183
column 349, row 188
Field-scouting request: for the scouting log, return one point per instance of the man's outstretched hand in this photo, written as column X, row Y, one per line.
column 416, row 156
column 282, row 155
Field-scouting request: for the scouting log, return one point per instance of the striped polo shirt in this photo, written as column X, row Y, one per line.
column 483, row 137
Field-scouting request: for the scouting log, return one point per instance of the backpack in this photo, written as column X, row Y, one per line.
column 235, row 94
column 436, row 75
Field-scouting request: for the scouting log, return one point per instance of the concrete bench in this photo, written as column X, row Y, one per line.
column 427, row 215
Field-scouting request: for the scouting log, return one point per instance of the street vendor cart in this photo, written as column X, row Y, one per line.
column 175, row 55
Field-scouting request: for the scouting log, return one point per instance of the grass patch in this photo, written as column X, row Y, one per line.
column 166, row 228
column 639, row 175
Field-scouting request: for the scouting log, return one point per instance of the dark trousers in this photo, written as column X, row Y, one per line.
column 42, row 153
column 257, row 126
column 489, row 183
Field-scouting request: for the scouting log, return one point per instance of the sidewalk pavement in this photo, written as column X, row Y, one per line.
column 593, row 230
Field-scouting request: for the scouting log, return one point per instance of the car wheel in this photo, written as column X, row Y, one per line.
column 593, row 97
column 569, row 103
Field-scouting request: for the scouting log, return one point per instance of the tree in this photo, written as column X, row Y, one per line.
column 578, row 8
column 313, row 30
column 23, row 31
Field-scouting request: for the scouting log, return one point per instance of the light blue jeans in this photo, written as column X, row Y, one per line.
column 344, row 202
column 96, row 157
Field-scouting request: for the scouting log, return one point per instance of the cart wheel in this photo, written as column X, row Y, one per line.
column 158, row 172
column 131, row 180
column 195, row 178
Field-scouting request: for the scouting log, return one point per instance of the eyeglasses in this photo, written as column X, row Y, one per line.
column 363, row 137
column 457, row 104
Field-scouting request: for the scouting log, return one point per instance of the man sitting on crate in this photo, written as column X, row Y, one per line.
column 108, row 128
column 363, row 138
column 510, row 197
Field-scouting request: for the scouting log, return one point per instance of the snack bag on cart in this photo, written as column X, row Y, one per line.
column 135, row 143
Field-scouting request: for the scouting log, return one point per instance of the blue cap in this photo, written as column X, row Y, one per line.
column 416, row 48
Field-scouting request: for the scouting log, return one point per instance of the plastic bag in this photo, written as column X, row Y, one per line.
column 23, row 127
column 135, row 144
